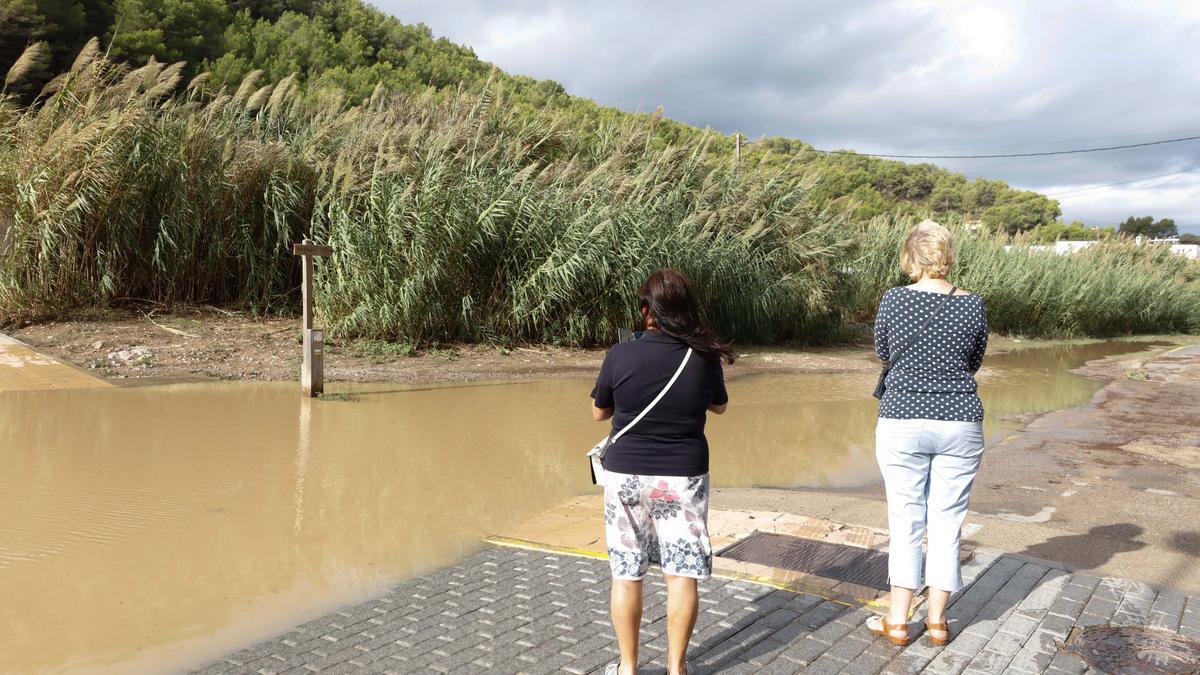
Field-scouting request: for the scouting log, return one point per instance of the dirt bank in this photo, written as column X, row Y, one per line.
column 1113, row 486
column 204, row 344
column 207, row 343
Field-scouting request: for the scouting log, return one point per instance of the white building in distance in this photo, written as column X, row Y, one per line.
column 1191, row 251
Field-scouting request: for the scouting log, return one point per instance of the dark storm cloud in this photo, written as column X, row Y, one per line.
column 884, row 76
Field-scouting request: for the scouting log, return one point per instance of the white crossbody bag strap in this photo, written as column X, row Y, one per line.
column 658, row 398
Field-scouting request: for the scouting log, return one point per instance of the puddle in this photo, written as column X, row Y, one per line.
column 148, row 529
column 818, row 430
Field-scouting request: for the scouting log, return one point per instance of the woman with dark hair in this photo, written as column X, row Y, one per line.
column 656, row 472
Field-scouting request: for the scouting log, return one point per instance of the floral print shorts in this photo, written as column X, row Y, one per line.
column 661, row 520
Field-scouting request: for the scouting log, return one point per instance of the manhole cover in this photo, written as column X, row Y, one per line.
column 1134, row 650
column 832, row 561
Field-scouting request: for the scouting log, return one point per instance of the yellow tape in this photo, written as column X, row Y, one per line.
column 510, row 542
column 549, row 548
column 1172, row 351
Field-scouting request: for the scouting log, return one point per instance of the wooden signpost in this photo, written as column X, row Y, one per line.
column 312, row 377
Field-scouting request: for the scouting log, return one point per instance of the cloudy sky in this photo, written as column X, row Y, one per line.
column 902, row 77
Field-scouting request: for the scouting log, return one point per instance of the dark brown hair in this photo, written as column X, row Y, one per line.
column 671, row 299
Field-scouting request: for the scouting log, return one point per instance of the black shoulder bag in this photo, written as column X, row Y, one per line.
column 881, row 385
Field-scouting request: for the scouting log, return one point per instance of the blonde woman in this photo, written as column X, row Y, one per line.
column 929, row 439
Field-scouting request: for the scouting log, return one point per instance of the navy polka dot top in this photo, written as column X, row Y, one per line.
column 935, row 378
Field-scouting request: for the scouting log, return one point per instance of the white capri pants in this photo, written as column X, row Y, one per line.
column 928, row 467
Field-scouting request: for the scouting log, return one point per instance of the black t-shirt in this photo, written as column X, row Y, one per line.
column 669, row 440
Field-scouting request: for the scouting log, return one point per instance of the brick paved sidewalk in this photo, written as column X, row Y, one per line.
column 507, row 610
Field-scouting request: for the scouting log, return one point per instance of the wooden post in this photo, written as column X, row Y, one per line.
column 307, row 289
column 737, row 148
column 312, row 375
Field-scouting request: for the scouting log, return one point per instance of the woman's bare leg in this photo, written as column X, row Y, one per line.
column 901, row 601
column 938, row 599
column 627, row 620
column 683, row 604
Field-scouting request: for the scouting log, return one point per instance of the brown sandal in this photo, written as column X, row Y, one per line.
column 937, row 641
column 886, row 631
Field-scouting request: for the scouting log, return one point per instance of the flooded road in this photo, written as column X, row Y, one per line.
column 818, row 429
column 149, row 529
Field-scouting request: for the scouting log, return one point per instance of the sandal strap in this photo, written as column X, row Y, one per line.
column 886, row 627
column 933, row 625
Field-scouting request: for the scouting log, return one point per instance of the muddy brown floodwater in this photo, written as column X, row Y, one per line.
column 818, row 429
column 152, row 528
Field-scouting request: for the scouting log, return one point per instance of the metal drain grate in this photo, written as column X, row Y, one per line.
column 1134, row 650
column 832, row 561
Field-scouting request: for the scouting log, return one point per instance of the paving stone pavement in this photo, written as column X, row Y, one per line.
column 507, row 610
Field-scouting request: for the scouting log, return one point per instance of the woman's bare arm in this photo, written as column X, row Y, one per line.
column 601, row 414
column 718, row 409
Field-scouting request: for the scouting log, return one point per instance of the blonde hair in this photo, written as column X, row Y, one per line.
column 928, row 250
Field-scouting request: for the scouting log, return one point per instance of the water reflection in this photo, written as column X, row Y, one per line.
column 147, row 529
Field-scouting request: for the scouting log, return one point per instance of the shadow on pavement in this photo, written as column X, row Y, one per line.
column 1184, row 542
column 1092, row 549
column 764, row 644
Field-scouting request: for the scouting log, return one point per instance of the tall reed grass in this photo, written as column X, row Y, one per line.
column 468, row 221
column 1115, row 288
column 119, row 190
column 456, row 217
